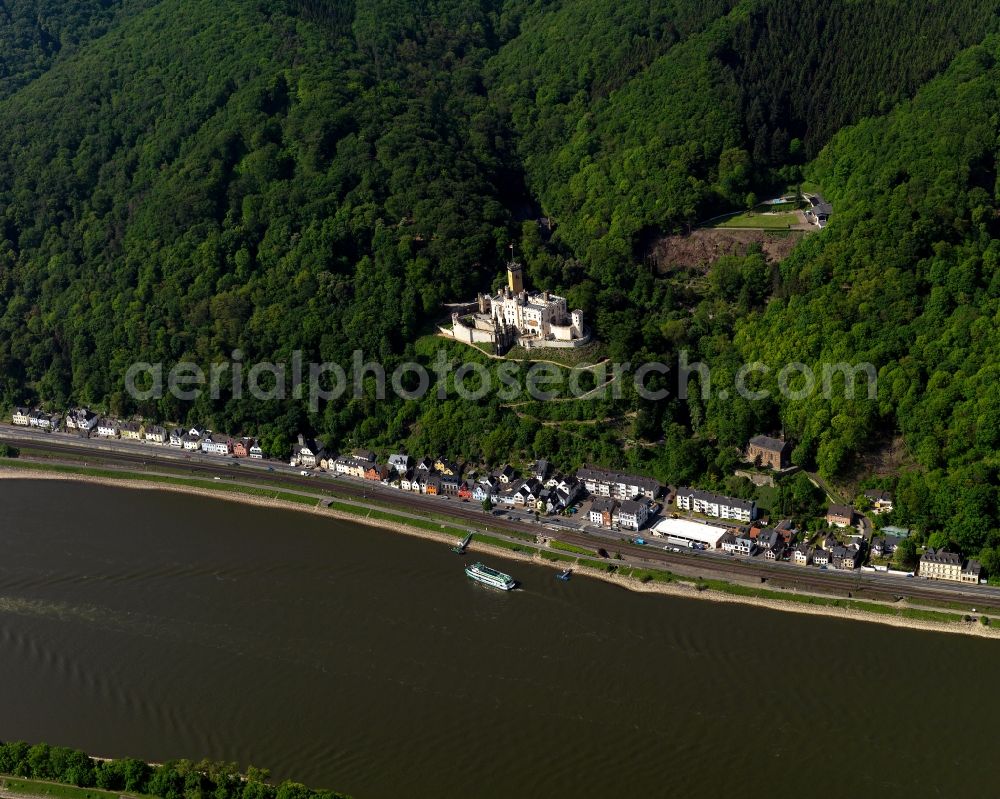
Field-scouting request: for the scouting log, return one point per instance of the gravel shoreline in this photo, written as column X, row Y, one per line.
column 683, row 590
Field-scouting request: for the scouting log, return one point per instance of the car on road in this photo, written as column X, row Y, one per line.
column 270, row 468
column 304, row 473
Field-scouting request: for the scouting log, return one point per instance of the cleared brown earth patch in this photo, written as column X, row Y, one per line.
column 704, row 246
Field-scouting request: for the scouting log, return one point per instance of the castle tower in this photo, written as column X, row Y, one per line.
column 515, row 277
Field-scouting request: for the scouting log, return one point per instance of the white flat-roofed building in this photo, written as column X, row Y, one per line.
column 690, row 531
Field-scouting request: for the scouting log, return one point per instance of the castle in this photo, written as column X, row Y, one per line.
column 515, row 316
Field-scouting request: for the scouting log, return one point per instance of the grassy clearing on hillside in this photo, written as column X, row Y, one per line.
column 782, row 221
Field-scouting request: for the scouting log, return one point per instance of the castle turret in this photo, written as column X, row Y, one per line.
column 515, row 277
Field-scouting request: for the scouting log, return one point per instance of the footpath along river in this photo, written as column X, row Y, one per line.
column 161, row 625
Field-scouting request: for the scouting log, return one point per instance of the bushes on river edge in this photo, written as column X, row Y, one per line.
column 176, row 779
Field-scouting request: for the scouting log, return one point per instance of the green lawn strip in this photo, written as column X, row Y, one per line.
column 55, row 790
column 424, row 524
column 564, row 547
column 780, row 221
column 512, row 546
column 553, row 556
column 850, row 604
column 600, row 565
column 647, row 575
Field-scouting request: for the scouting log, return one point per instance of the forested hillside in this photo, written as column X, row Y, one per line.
column 33, row 33
column 183, row 178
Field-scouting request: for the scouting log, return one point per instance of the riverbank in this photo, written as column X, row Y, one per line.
column 635, row 578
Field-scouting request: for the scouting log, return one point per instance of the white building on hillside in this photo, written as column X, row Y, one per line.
column 516, row 316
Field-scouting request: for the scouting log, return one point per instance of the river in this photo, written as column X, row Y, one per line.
column 161, row 625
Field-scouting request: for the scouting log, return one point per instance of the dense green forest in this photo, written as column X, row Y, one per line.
column 182, row 178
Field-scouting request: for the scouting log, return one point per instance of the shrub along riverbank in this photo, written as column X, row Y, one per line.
column 43, row 770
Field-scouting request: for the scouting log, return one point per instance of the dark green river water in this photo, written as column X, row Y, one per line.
column 159, row 625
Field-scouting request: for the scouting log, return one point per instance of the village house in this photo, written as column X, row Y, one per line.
column 619, row 485
column 465, row 490
column 852, row 557
column 541, row 470
column 132, row 431
column 241, row 447
column 728, row 543
column 601, row 512
column 447, row 467
column 216, row 445
column 819, row 210
column 840, row 515
column 425, row 465
column 744, row 545
column 305, row 453
column 432, row 485
column 802, row 555
column 190, row 441
column 972, row 572
column 22, row 417
column 830, row 541
column 177, row 437
column 941, row 566
column 450, row 484
column 81, row 419
column 406, row 481
column 787, row 531
column 255, row 451
column 358, row 468
column 341, row 464
column 557, row 500
column 881, row 501
column 400, row 463
column 484, row 490
column 771, row 453
column 837, row 555
column 716, row 505
column 631, row 515
column 43, row 420
column 768, row 539
column 884, row 546
column 846, row 558
column 155, row 434
column 107, row 428
column 505, row 474
column 821, row 557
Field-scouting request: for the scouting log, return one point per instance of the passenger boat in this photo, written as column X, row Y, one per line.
column 491, row 577
column 564, row 574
